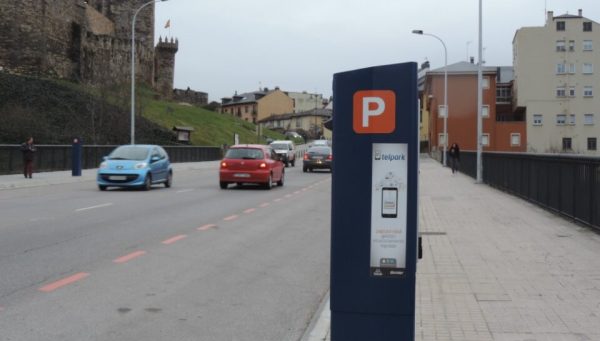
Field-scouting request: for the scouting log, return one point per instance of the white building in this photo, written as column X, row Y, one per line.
column 304, row 101
column 556, row 85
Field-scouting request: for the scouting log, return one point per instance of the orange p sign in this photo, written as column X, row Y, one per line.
column 374, row 112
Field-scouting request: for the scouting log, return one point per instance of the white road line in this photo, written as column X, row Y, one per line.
column 92, row 207
column 184, row 190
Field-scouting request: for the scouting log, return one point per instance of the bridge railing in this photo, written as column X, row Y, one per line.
column 58, row 157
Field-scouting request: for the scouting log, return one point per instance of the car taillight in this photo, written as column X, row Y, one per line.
column 305, row 156
column 223, row 164
column 330, row 157
column 263, row 165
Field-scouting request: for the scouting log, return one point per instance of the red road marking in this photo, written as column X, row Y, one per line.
column 65, row 281
column 129, row 257
column 250, row 210
column 277, row 200
column 297, row 192
column 264, row 204
column 231, row 217
column 174, row 239
column 288, row 195
column 206, row 227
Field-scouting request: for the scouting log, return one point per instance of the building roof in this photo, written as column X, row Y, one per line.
column 313, row 112
column 462, row 68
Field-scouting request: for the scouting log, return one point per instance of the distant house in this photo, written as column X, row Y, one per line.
column 556, row 84
column 501, row 132
column 311, row 122
column 257, row 105
column 304, row 101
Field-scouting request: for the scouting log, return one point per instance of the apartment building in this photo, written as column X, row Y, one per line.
column 304, row 101
column 556, row 86
column 310, row 121
column 257, row 105
column 502, row 130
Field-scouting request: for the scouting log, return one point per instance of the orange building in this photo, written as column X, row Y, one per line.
column 503, row 131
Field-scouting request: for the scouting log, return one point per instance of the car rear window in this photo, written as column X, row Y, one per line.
column 319, row 150
column 245, row 153
column 129, row 153
column 279, row 146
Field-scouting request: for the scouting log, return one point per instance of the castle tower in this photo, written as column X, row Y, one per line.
column 164, row 66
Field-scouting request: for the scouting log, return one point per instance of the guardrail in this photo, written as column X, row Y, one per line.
column 58, row 157
column 566, row 184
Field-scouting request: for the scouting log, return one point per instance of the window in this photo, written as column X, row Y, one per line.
column 537, row 119
column 441, row 139
column 485, row 111
column 560, row 68
column 246, row 109
column 571, row 45
column 587, row 26
column 572, row 119
column 588, row 68
column 566, row 143
column 560, row 91
column 515, row 139
column 560, row 45
column 571, row 68
column 571, row 91
column 485, row 140
column 588, row 119
column 587, row 45
column 560, row 25
column 298, row 123
column 592, row 142
column 588, row 91
column 561, row 119
column 441, row 111
column 485, row 83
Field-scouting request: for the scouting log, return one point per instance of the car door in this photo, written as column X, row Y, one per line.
column 276, row 165
column 156, row 165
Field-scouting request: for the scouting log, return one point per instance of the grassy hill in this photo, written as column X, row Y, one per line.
column 56, row 111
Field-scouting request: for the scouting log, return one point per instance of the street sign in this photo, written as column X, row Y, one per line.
column 374, row 204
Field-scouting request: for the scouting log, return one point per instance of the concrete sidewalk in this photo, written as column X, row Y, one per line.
column 496, row 267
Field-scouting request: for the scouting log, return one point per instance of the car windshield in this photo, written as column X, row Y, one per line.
column 320, row 143
column 129, row 153
column 244, row 153
column 320, row 150
column 279, row 146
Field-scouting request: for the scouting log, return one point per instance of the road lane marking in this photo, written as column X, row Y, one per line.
column 63, row 282
column 129, row 257
column 93, row 207
column 277, row 200
column 174, row 239
column 184, row 190
column 297, row 192
column 206, row 227
column 265, row 204
column 288, row 195
column 231, row 217
column 250, row 210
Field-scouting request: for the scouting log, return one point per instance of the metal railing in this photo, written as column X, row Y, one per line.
column 566, row 184
column 58, row 157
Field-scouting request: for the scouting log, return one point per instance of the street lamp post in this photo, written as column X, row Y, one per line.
column 133, row 67
column 420, row 32
column 480, row 104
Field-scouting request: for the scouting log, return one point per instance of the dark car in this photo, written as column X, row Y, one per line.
column 251, row 163
column 320, row 157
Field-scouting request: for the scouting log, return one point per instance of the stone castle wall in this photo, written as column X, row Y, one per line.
column 164, row 66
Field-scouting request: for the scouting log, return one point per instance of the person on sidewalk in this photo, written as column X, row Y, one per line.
column 28, row 149
column 454, row 157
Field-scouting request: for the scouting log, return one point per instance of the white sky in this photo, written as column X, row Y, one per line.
column 235, row 45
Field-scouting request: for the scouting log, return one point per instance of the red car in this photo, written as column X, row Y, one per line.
column 251, row 163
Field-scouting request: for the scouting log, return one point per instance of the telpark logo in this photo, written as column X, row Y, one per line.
column 374, row 112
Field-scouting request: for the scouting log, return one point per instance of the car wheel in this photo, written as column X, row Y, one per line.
column 102, row 187
column 148, row 182
column 280, row 182
column 269, row 183
column 169, row 181
column 223, row 184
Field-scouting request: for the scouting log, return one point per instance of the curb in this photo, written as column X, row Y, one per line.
column 318, row 329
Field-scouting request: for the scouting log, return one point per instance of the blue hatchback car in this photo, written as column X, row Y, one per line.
column 135, row 166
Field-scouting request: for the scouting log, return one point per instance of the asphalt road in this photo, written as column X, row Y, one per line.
column 191, row 262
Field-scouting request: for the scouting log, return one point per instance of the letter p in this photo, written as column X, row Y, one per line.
column 368, row 112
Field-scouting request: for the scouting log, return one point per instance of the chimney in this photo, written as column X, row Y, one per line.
column 472, row 60
column 580, row 12
column 549, row 17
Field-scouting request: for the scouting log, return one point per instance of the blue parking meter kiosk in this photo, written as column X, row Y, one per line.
column 374, row 204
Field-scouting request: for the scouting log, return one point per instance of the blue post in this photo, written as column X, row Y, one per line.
column 374, row 204
column 76, row 157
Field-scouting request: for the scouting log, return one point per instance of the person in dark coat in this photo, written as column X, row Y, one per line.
column 28, row 149
column 454, row 157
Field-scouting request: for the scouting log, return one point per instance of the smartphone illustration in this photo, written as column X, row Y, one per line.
column 389, row 202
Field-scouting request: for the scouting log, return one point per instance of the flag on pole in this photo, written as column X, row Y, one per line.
column 168, row 24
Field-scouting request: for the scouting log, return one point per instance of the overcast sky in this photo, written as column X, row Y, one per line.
column 235, row 45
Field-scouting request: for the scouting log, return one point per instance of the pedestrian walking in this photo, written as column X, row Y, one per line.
column 28, row 149
column 454, row 157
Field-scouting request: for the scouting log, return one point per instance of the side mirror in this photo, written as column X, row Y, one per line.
column 154, row 158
